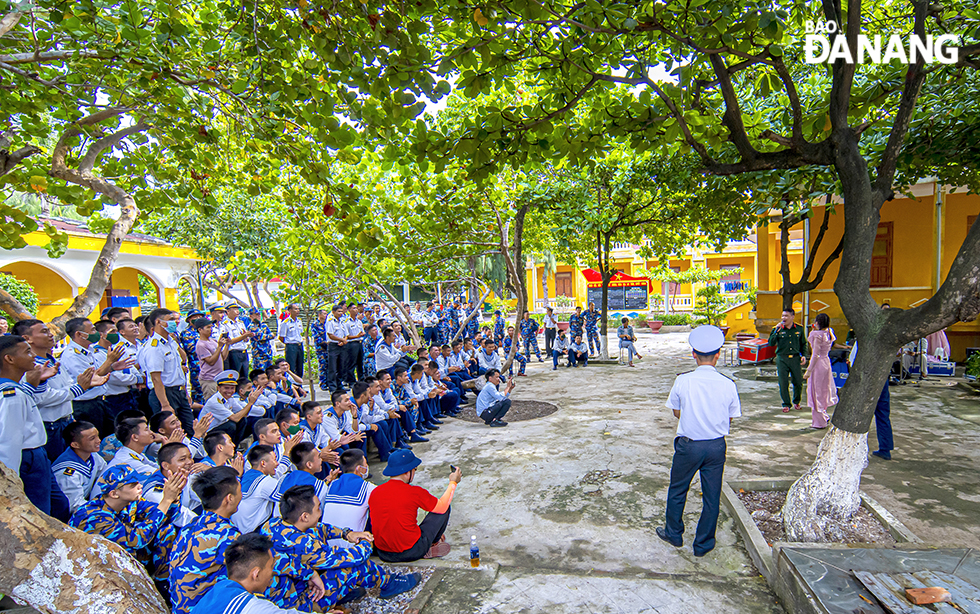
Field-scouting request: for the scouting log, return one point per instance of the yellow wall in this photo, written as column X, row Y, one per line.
column 738, row 321
column 913, row 262
column 53, row 292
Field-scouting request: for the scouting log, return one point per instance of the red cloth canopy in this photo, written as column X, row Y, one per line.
column 593, row 279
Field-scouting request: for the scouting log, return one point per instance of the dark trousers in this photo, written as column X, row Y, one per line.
column 432, row 528
column 574, row 360
column 883, row 421
column 238, row 361
column 427, row 411
column 549, row 339
column 94, row 411
column 431, row 335
column 393, row 430
column 381, row 442
column 56, row 443
column 787, row 368
column 449, row 402
column 690, row 457
column 323, row 358
column 117, row 403
column 294, row 357
column 177, row 397
column 335, row 366
column 496, row 411
column 408, row 422
column 353, row 363
column 556, row 354
column 40, row 486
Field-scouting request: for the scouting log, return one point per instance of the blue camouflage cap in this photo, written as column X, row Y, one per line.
column 194, row 312
column 117, row 476
column 253, row 311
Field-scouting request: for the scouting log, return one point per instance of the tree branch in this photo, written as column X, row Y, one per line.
column 46, row 56
column 9, row 22
column 87, row 163
column 914, row 77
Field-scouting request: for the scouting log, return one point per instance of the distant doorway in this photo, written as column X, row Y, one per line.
column 563, row 284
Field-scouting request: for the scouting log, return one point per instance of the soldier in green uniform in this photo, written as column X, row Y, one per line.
column 789, row 339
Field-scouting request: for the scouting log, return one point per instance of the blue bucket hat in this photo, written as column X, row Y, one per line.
column 117, row 476
column 401, row 461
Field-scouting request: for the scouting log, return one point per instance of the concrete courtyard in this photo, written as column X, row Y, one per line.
column 565, row 506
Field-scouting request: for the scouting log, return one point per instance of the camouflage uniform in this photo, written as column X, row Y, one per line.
column 529, row 331
column 370, row 368
column 320, row 342
column 188, row 341
column 261, row 344
column 591, row 317
column 498, row 329
column 518, row 357
column 140, row 528
column 575, row 325
column 198, row 559
column 300, row 554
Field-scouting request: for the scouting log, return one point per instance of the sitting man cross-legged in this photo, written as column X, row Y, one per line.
column 248, row 561
column 198, row 559
column 492, row 405
column 304, row 559
column 394, row 508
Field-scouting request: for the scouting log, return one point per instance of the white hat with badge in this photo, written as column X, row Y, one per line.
column 706, row 339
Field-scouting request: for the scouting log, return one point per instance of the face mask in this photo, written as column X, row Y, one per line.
column 112, row 338
column 172, row 326
column 94, row 337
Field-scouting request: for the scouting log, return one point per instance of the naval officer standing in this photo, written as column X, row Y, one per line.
column 705, row 402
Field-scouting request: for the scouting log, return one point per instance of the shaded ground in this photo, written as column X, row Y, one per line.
column 566, row 504
column 520, row 410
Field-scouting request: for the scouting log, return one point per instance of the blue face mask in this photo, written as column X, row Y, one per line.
column 172, row 326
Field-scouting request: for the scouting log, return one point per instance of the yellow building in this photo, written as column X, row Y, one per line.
column 568, row 280
column 918, row 238
column 58, row 281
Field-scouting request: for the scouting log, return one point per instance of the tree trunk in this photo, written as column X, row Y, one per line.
column 514, row 260
column 843, row 454
column 56, row 569
column 828, row 492
column 397, row 309
column 606, row 274
column 463, row 324
column 89, row 299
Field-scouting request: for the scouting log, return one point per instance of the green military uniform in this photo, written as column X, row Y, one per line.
column 790, row 344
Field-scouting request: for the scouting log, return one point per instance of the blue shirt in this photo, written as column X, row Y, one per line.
column 488, row 396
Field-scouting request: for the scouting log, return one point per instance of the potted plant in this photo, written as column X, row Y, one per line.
column 710, row 305
column 973, row 367
column 654, row 321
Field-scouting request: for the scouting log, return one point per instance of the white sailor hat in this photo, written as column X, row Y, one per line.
column 706, row 339
column 227, row 377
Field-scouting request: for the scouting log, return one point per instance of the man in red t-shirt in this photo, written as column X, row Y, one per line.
column 394, row 509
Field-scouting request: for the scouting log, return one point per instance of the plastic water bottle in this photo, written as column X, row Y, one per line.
column 474, row 552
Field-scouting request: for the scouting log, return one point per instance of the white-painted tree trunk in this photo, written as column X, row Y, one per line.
column 828, row 492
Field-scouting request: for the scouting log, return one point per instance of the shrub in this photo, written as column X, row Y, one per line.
column 973, row 365
column 20, row 290
column 676, row 319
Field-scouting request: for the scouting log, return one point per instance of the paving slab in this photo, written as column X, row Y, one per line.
column 573, row 498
